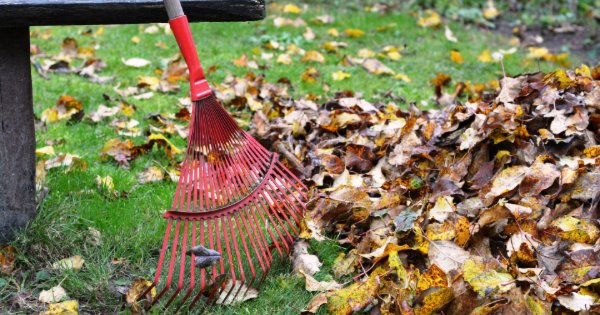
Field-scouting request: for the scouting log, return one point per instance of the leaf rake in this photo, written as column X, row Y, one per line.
column 235, row 205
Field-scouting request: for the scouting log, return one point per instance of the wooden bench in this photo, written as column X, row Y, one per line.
column 17, row 134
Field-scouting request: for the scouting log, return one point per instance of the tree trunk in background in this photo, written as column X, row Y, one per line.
column 17, row 134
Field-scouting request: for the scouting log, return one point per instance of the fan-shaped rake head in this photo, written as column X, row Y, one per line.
column 236, row 206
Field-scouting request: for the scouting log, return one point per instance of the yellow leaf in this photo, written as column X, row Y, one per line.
column 394, row 55
column 310, row 75
column 354, row 32
column 490, row 12
column 135, row 40
column 432, row 277
column 485, row 56
column 47, row 150
column 403, row 77
column 313, row 55
column 70, row 307
column 333, row 32
column 576, row 230
column 50, row 115
column 583, row 70
column 432, row 19
column 170, row 145
column 456, row 57
column 74, row 262
column 284, row 59
column 356, row 296
column 340, row 75
column 149, row 82
column 151, row 174
column 292, row 8
column 138, row 287
column 434, row 301
column 486, row 276
column 537, row 52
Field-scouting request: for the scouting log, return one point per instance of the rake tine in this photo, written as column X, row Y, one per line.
column 181, row 266
column 172, row 261
column 231, row 265
column 274, row 225
column 192, row 270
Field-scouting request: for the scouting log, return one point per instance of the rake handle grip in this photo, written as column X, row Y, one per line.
column 181, row 29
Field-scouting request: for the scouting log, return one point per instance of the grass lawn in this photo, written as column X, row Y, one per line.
column 132, row 228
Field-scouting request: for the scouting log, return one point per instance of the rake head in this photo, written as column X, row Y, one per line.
column 235, row 207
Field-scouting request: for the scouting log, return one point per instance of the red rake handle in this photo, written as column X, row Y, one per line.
column 181, row 29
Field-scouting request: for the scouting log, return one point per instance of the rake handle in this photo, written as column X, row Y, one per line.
column 181, row 29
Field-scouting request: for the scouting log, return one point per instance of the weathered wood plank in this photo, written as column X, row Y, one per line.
column 17, row 135
column 81, row 12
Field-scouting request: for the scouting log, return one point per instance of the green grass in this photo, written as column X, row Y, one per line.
column 132, row 227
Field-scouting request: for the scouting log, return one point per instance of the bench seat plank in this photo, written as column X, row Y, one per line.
column 85, row 12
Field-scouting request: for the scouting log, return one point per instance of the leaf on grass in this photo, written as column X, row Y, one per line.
column 430, row 19
column 315, row 303
column 136, row 62
column 53, row 295
column 71, row 263
column 313, row 55
column 376, row 67
column 449, row 35
column 47, row 150
column 151, row 174
column 292, row 8
column 312, row 285
column 354, row 32
column 485, row 56
column 134, row 294
column 456, row 56
column 70, row 307
column 70, row 161
column 7, row 259
column 244, row 293
column 340, row 75
column 303, row 261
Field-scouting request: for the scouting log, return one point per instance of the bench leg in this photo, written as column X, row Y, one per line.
column 17, row 134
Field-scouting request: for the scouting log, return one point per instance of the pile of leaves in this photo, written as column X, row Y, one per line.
column 486, row 205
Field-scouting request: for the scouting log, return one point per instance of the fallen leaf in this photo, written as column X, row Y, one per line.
column 53, row 295
column 447, row 255
column 136, row 62
column 151, row 174
column 312, row 285
column 354, row 32
column 70, row 307
column 7, row 259
column 228, row 299
column 456, row 56
column 315, row 303
column 449, row 35
column 340, row 75
column 431, row 19
column 71, row 263
column 376, row 67
column 304, row 262
column 577, row 302
column 486, row 277
column 136, row 289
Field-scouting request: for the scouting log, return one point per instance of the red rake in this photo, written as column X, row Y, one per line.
column 235, row 203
